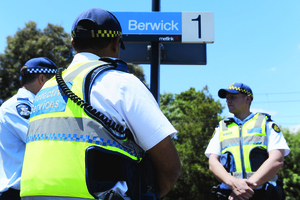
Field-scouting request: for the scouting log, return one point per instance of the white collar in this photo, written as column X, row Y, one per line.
column 238, row 121
column 84, row 57
column 23, row 93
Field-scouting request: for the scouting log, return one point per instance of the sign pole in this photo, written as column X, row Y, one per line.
column 155, row 61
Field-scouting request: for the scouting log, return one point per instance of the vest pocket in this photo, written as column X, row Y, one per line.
column 258, row 156
column 227, row 160
column 103, row 169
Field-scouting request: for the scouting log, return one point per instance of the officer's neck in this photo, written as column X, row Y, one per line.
column 99, row 53
column 110, row 51
column 32, row 88
column 242, row 115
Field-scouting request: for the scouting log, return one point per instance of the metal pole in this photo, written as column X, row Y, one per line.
column 155, row 60
column 155, row 5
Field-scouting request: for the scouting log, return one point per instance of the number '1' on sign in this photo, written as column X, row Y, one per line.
column 197, row 27
column 199, row 24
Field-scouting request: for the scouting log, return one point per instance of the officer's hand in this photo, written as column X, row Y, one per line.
column 241, row 189
column 232, row 196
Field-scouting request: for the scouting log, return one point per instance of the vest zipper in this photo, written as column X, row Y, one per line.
column 242, row 152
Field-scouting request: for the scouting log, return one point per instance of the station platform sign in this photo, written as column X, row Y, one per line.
column 177, row 27
column 170, row 53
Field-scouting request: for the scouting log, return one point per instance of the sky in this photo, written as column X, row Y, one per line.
column 256, row 43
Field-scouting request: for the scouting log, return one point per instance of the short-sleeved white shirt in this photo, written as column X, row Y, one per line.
column 13, row 133
column 274, row 140
column 125, row 99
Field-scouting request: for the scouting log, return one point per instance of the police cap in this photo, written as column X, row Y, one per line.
column 40, row 65
column 106, row 25
column 236, row 88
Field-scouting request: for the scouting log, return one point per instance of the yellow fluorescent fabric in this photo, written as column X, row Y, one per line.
column 249, row 135
column 58, row 136
column 69, row 178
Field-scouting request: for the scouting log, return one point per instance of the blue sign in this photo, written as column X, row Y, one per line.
column 150, row 23
column 185, row 27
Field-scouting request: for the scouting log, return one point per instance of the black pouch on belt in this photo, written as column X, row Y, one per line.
column 112, row 195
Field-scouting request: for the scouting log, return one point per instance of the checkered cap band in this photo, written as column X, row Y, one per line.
column 41, row 71
column 108, row 33
column 97, row 33
column 231, row 87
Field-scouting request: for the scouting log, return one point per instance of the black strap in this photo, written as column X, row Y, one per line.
column 229, row 121
column 112, row 195
column 10, row 194
column 105, row 121
column 216, row 193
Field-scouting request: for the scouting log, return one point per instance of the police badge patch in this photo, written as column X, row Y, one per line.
column 276, row 128
column 24, row 110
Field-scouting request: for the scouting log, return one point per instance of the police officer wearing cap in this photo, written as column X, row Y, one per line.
column 95, row 124
column 246, row 151
column 14, row 119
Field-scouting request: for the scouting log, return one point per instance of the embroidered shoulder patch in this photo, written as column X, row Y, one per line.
column 24, row 110
column 276, row 128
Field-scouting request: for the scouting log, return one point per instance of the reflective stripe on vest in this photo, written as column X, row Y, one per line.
column 251, row 135
column 58, row 135
column 249, row 174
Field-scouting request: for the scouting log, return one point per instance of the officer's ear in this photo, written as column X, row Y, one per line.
column 72, row 43
column 116, row 44
column 248, row 99
column 42, row 79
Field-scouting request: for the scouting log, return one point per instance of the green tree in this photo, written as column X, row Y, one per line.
column 137, row 71
column 28, row 43
column 31, row 42
column 290, row 172
column 195, row 115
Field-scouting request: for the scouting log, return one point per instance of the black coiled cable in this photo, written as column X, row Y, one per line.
column 96, row 114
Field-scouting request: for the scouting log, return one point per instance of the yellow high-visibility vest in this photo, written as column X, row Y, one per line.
column 60, row 132
column 240, row 140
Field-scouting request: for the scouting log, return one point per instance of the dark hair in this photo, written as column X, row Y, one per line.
column 93, row 43
column 29, row 78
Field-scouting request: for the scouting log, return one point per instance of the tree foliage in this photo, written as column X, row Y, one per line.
column 137, row 71
column 31, row 42
column 290, row 172
column 195, row 115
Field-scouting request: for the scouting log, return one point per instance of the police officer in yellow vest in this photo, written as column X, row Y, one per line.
column 246, row 151
column 93, row 124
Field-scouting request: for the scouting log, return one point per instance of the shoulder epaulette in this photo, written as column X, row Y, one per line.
column 268, row 116
column 22, row 99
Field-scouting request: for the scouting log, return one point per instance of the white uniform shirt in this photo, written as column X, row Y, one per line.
column 274, row 141
column 125, row 99
column 14, row 119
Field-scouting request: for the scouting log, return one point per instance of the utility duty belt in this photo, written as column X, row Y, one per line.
column 268, row 192
column 112, row 195
column 11, row 194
